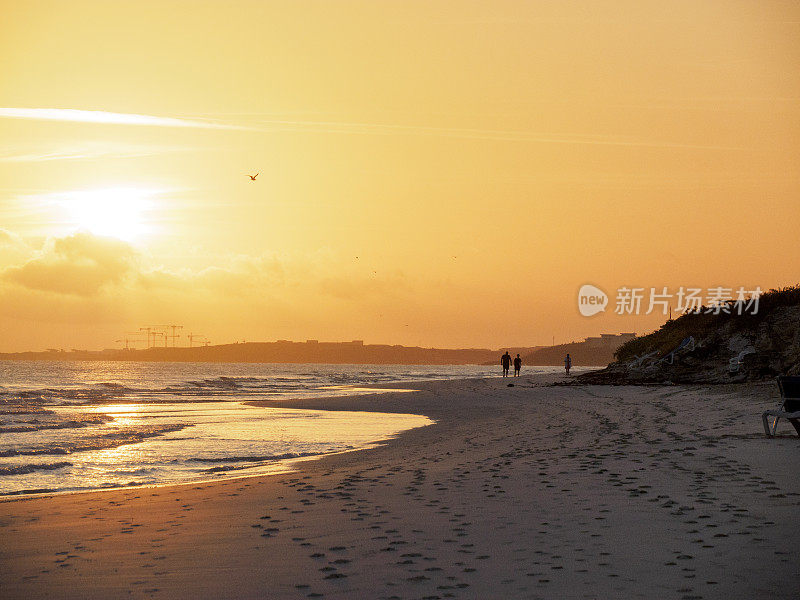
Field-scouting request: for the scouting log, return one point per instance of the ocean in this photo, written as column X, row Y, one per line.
column 72, row 426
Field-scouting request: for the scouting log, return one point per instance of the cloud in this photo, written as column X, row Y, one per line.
column 80, row 264
column 110, row 118
column 241, row 274
column 84, row 264
column 337, row 127
column 354, row 128
column 9, row 238
column 76, row 289
column 84, row 290
column 85, row 151
column 13, row 247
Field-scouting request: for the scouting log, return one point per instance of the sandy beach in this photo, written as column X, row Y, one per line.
column 531, row 491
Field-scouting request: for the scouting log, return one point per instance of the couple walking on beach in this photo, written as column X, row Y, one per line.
column 506, row 361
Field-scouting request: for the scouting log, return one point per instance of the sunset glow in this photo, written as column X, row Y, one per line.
column 430, row 173
column 399, row 299
column 115, row 212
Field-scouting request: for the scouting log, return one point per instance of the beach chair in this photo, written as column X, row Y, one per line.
column 790, row 406
column 637, row 361
column 735, row 363
column 685, row 343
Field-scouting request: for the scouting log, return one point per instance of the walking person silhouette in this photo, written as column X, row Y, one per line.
column 567, row 363
column 517, row 365
column 505, row 361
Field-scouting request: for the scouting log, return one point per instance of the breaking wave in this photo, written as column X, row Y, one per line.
column 30, row 468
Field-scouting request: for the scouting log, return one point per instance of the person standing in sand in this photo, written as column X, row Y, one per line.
column 567, row 363
column 517, row 365
column 505, row 361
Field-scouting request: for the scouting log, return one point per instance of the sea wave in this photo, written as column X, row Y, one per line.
column 306, row 382
column 25, row 410
column 267, row 457
column 30, row 468
column 38, row 425
column 101, row 442
column 29, row 491
column 81, row 412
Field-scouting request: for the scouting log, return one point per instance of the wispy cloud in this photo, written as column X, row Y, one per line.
column 110, row 118
column 337, row 127
column 477, row 134
column 84, row 151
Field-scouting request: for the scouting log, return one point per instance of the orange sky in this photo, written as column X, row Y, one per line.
column 432, row 173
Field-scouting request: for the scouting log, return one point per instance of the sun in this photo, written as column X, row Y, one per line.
column 119, row 212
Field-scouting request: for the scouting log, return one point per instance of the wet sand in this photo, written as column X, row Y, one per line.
column 531, row 491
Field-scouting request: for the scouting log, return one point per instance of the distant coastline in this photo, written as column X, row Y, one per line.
column 311, row 351
column 595, row 352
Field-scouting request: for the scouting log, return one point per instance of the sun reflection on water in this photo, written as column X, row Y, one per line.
column 118, row 424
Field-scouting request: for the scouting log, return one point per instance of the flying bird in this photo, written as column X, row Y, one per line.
column 253, row 177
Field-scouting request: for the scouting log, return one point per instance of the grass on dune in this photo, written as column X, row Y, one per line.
column 704, row 322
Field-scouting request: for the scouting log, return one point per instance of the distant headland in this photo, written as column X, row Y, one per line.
column 593, row 351
column 714, row 346
column 284, row 351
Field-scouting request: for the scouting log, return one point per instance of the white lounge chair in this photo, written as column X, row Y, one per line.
column 735, row 363
column 685, row 343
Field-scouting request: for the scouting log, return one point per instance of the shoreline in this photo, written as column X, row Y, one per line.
column 279, row 466
column 31, row 495
column 525, row 492
column 319, row 403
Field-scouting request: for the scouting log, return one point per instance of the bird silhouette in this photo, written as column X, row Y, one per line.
column 253, row 177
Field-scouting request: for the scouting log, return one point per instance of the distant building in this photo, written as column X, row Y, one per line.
column 609, row 340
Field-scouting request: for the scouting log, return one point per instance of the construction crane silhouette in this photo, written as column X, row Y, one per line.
column 149, row 331
column 162, row 334
column 165, row 331
column 174, row 335
column 134, row 336
column 156, row 333
column 192, row 337
column 127, row 342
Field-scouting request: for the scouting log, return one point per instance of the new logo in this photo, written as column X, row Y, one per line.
column 591, row 300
